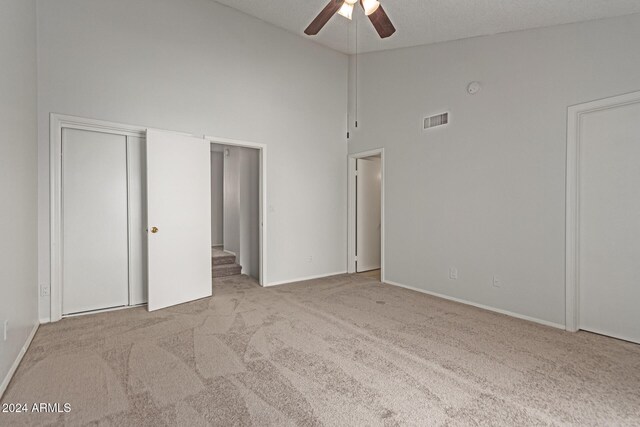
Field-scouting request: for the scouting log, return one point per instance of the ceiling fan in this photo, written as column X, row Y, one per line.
column 372, row 8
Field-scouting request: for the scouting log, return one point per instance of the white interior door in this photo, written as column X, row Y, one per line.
column 179, row 208
column 368, row 219
column 94, row 221
column 609, row 225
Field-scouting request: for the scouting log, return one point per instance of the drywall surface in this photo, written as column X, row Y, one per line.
column 486, row 194
column 231, row 197
column 242, row 207
column 18, row 180
column 199, row 67
column 250, row 212
column 217, row 202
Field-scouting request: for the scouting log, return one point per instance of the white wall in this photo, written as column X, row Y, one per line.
column 199, row 67
column 242, row 207
column 231, row 222
column 217, row 202
column 486, row 194
column 18, row 179
column 250, row 212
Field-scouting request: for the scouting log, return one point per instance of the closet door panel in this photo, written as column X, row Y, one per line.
column 179, row 218
column 94, row 221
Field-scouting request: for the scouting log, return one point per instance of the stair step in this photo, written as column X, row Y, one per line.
column 225, row 270
column 223, row 259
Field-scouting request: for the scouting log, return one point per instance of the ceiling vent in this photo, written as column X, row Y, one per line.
column 437, row 120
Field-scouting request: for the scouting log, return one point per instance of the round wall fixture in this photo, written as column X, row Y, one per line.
column 473, row 88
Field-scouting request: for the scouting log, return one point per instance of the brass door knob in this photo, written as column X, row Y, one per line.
column 154, row 230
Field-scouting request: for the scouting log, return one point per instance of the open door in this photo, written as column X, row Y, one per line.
column 178, row 219
column 368, row 216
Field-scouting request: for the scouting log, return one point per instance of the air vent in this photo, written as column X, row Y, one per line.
column 438, row 120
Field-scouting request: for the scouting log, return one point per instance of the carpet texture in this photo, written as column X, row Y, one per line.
column 223, row 264
column 344, row 350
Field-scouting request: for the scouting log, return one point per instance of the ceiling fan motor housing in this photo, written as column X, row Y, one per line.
column 372, row 8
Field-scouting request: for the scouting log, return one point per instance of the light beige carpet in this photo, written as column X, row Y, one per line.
column 339, row 351
column 372, row 274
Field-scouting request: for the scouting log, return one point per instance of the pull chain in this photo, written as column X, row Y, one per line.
column 348, row 49
column 356, row 106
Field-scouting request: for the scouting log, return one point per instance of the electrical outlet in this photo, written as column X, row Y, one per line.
column 45, row 290
column 497, row 282
column 6, row 328
column 453, row 273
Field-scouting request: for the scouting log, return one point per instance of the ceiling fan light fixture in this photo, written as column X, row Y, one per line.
column 370, row 6
column 346, row 10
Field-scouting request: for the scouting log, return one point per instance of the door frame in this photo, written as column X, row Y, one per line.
column 572, row 239
column 351, row 209
column 262, row 190
column 59, row 121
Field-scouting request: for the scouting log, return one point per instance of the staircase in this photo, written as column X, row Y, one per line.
column 223, row 264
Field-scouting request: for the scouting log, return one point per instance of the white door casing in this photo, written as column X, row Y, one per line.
column 61, row 123
column 351, row 209
column 262, row 196
column 179, row 206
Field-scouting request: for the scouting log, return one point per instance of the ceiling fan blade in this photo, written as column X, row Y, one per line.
column 323, row 17
column 382, row 23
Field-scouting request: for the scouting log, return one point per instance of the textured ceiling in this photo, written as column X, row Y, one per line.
column 431, row 21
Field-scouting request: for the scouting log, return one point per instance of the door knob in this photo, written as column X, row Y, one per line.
column 154, row 230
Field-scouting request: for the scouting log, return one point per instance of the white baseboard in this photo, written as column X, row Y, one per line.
column 304, row 279
column 484, row 307
column 14, row 367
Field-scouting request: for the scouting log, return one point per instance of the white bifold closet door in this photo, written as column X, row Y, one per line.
column 368, row 218
column 94, row 221
column 179, row 218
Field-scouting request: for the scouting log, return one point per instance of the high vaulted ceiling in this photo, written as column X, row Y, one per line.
column 431, row 21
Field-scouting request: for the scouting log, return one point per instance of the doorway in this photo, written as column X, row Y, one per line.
column 366, row 214
column 235, row 208
column 603, row 208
